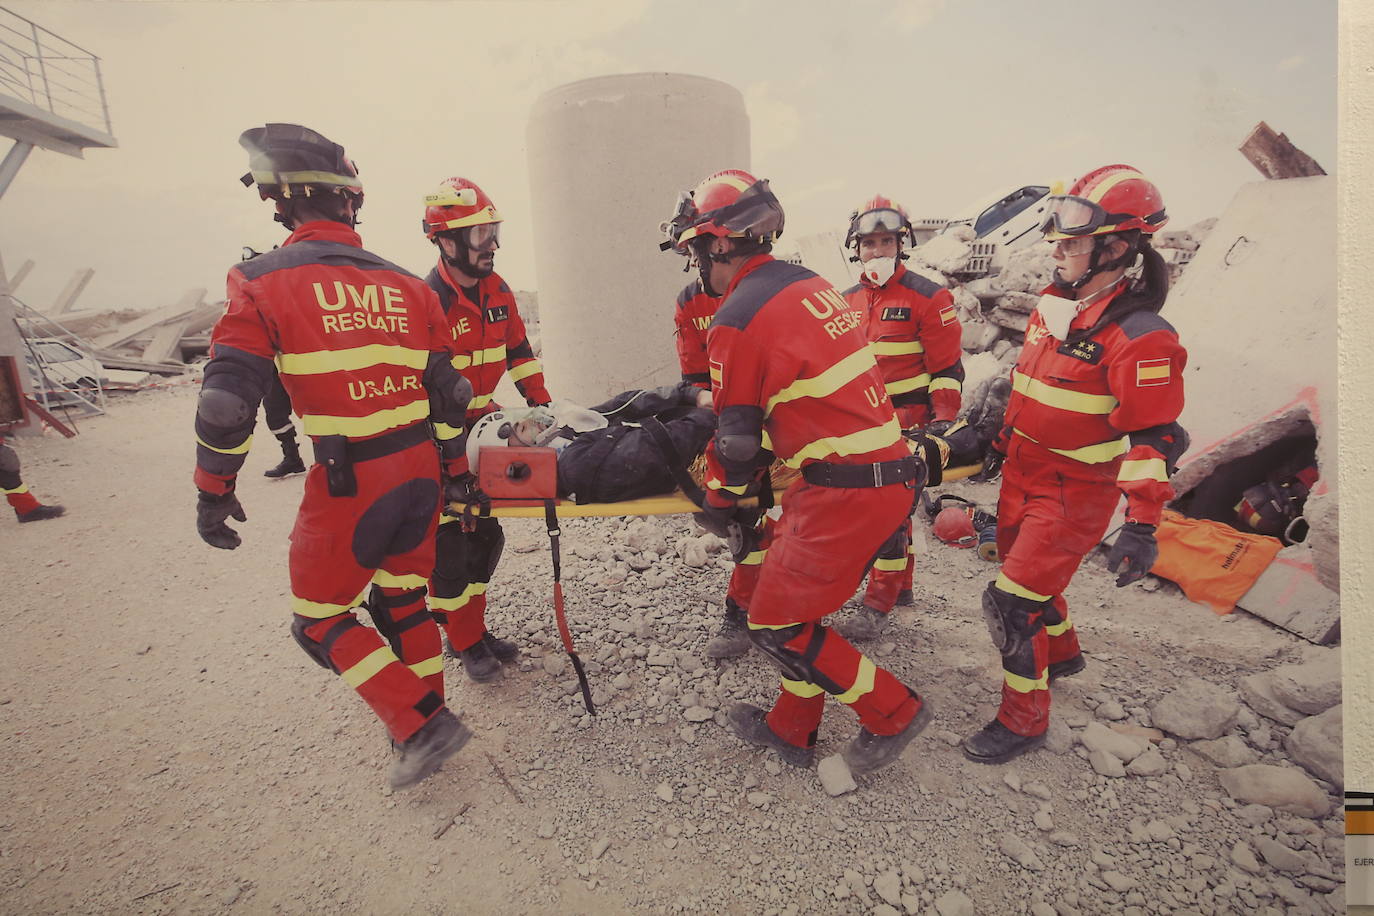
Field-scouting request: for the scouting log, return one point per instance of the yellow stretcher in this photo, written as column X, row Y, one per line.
column 672, row 504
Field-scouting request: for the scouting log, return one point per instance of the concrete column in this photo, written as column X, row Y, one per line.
column 607, row 158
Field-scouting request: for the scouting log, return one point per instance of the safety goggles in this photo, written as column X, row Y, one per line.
column 1073, row 245
column 482, row 237
column 879, row 221
column 683, row 214
column 1077, row 216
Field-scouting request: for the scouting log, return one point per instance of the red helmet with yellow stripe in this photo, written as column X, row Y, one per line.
column 458, row 204
column 879, row 214
column 732, row 204
column 1114, row 198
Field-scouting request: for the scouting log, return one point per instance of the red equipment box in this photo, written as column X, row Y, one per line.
column 524, row 473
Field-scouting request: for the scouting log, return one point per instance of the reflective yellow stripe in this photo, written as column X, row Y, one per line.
column 865, row 440
column 479, row 402
column 905, row 385
column 1061, row 398
column 801, row 688
column 828, row 382
column 898, row 347
column 1026, row 685
column 428, row 666
column 320, row 362
column 460, row 362
column 770, row 626
column 390, row 580
column 890, row 565
column 1089, row 454
column 525, row 370
column 717, row 485
column 1100, row 189
column 1058, row 629
column 767, row 441
column 448, row 519
column 753, row 559
column 22, row 488
column 489, row 355
column 318, row 610
column 375, row 661
column 370, row 425
column 443, row 432
column 1012, row 588
column 943, row 382
column 715, row 375
column 863, row 681
column 236, row 450
column 452, row 604
column 1143, row 469
column 306, row 177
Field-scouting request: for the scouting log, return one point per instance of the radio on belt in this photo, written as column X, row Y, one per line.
column 512, row 472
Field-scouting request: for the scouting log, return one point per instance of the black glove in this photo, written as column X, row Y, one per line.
column 464, row 489
column 211, row 511
column 937, row 427
column 718, row 519
column 1135, row 552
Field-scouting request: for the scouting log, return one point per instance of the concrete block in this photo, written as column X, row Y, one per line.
column 1288, row 595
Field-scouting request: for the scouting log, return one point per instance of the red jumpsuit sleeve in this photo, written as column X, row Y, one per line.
column 451, row 437
column 691, row 348
column 941, row 336
column 1146, row 378
column 736, row 368
column 524, row 367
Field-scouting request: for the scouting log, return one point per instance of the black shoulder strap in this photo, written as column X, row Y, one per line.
column 659, row 434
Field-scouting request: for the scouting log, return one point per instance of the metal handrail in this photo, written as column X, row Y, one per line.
column 32, row 60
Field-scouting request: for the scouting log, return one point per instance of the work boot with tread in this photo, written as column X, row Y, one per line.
column 1066, row 668
column 504, row 650
column 868, row 752
column 41, row 513
column 479, row 663
column 290, row 464
column 421, row 755
column 905, row 599
column 751, row 724
column 732, row 639
column 995, row 743
column 866, row 623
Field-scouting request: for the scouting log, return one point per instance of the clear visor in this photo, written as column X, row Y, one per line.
column 879, row 221
column 1074, row 216
column 683, row 212
column 483, row 236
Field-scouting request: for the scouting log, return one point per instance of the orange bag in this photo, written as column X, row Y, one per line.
column 1212, row 562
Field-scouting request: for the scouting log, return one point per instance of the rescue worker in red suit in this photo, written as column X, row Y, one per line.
column 364, row 353
column 692, row 319
column 793, row 377
column 914, row 328
column 26, row 506
column 489, row 337
column 1096, row 396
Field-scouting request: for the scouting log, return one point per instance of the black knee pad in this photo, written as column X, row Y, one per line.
column 319, row 651
column 1011, row 619
column 796, row 666
column 488, row 542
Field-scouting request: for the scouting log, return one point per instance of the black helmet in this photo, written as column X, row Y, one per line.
column 288, row 160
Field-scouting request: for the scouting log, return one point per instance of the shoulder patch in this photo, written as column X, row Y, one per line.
column 1089, row 351
column 1140, row 323
column 756, row 290
column 923, row 285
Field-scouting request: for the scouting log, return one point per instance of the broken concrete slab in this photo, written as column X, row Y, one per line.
column 188, row 303
column 1289, row 595
column 166, row 341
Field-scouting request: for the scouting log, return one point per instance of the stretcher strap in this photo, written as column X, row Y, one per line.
column 551, row 520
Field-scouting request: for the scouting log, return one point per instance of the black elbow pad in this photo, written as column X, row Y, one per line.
column 739, row 448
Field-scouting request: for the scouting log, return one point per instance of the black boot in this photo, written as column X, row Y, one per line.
column 750, row 723
column 732, row 638
column 1067, row 668
column 290, row 457
column 40, row 513
column 996, row 743
column 503, row 649
column 868, row 752
column 480, row 663
column 424, row 752
column 905, row 598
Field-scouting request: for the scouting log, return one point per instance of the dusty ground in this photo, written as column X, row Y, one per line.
column 167, row 747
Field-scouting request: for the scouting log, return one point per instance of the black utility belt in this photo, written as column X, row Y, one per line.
column 908, row 470
column 338, row 454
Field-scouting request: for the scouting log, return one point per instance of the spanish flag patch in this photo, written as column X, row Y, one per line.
column 715, row 374
column 1151, row 372
column 948, row 315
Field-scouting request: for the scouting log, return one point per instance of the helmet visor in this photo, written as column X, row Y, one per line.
column 1073, row 216
column 482, row 236
column 879, row 221
column 755, row 213
column 683, row 213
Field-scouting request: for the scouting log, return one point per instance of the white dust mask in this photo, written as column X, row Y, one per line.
column 1057, row 313
column 879, row 270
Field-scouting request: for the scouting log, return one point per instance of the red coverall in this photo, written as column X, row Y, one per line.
column 16, row 491
column 693, row 315
column 914, row 327
column 1087, row 421
column 789, row 364
column 489, row 337
column 353, row 336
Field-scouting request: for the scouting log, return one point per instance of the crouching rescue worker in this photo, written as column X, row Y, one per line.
column 364, row 354
column 489, row 338
column 914, row 328
column 792, row 376
column 26, row 506
column 1095, row 398
column 696, row 306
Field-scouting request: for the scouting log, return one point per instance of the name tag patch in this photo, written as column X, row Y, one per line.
column 896, row 313
column 1090, row 351
column 498, row 313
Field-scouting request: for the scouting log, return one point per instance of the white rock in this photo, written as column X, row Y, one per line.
column 1285, row 788
column 1150, row 763
column 1016, row 849
column 1106, row 764
column 1312, row 687
column 552, row 664
column 1196, row 709
column 1228, row 751
column 888, row 886
column 1257, row 690
column 835, row 776
column 1098, row 737
column 664, row 792
column 1315, row 745
column 954, row 903
column 698, row 714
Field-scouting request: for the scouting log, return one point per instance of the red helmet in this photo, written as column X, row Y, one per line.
column 1114, row 198
column 954, row 526
column 457, row 204
column 879, row 214
column 732, row 204
column 288, row 160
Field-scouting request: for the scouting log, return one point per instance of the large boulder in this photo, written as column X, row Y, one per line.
column 1284, row 788
column 1258, row 692
column 1312, row 687
column 1196, row 709
column 1315, row 744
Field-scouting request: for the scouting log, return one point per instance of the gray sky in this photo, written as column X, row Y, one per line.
column 934, row 103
